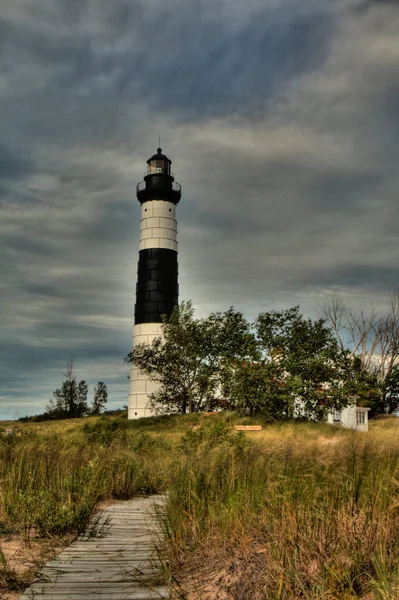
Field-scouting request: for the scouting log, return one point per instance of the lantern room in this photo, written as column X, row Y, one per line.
column 159, row 163
column 159, row 182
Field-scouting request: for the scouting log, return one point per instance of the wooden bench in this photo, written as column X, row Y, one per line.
column 248, row 427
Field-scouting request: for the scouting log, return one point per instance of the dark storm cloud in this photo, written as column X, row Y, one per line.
column 40, row 289
column 356, row 275
column 12, row 165
column 192, row 67
column 239, row 70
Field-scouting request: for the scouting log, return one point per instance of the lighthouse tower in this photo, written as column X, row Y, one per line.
column 157, row 288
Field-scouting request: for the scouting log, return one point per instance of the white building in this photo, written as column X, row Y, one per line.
column 350, row 417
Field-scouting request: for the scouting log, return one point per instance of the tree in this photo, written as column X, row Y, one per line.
column 70, row 401
column 100, row 398
column 81, row 407
column 189, row 361
column 372, row 345
column 257, row 388
column 297, row 369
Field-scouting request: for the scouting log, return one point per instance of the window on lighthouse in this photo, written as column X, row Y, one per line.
column 159, row 166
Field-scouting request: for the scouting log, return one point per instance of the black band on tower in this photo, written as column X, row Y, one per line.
column 157, row 290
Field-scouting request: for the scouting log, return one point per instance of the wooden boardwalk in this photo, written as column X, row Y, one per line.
column 114, row 559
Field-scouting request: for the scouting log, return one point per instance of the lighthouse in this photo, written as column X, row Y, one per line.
column 157, row 289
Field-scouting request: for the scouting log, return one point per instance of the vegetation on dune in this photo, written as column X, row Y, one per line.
column 289, row 516
column 298, row 510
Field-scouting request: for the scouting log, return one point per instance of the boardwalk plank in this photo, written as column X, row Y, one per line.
column 117, row 565
column 123, row 594
column 103, row 576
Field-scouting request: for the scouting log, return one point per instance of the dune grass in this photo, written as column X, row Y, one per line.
column 298, row 510
column 302, row 511
column 51, row 482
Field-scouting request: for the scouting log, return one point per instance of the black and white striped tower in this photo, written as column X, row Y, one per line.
column 157, row 288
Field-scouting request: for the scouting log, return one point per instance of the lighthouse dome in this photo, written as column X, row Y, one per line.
column 159, row 156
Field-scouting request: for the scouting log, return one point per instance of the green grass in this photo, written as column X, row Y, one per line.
column 298, row 510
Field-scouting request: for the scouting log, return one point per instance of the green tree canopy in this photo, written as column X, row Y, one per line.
column 284, row 365
column 300, row 368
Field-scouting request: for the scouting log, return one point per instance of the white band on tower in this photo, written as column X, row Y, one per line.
column 158, row 225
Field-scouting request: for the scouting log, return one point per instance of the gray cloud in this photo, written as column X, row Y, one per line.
column 281, row 121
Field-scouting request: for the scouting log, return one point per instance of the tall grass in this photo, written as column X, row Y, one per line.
column 286, row 520
column 50, row 485
column 297, row 511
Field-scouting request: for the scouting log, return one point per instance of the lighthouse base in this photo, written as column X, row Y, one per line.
column 139, row 413
column 140, row 385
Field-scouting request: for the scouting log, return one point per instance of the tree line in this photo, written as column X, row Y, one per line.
column 280, row 366
column 70, row 400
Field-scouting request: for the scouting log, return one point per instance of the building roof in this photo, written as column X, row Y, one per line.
column 159, row 156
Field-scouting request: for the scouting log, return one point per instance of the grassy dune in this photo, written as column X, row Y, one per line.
column 298, row 510
column 304, row 511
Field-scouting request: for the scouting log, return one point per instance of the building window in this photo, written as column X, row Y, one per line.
column 360, row 417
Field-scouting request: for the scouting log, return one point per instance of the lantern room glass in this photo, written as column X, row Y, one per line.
column 159, row 166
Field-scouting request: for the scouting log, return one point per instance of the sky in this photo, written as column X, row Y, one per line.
column 281, row 119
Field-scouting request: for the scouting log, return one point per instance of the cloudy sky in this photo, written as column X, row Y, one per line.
column 281, row 118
